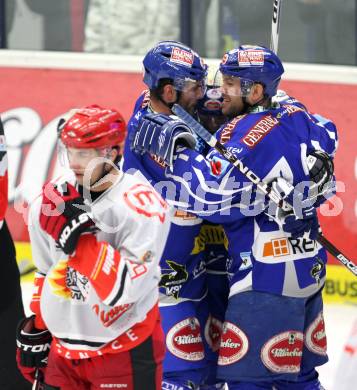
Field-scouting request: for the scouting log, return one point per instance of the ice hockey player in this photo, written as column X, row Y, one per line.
column 174, row 73
column 273, row 335
column 11, row 308
column 97, row 237
column 209, row 112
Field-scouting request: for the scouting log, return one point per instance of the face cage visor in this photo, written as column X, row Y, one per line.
column 230, row 86
column 82, row 156
column 185, row 84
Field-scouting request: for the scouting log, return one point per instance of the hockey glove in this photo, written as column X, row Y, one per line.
column 33, row 346
column 321, row 170
column 160, row 134
column 64, row 216
column 302, row 219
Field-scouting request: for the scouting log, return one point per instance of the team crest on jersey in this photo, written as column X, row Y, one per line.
column 213, row 332
column 68, row 283
column 173, row 278
column 144, row 200
column 246, row 261
column 283, row 352
column 234, row 344
column 181, row 56
column 250, row 58
column 78, row 284
column 315, row 337
column 219, row 166
column 184, row 340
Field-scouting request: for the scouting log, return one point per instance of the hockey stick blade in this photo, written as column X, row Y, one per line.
column 275, row 26
column 212, row 141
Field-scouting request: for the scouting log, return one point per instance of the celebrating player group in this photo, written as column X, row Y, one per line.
column 165, row 262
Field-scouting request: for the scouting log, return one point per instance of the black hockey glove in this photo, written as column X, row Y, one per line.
column 321, row 171
column 64, row 216
column 33, row 346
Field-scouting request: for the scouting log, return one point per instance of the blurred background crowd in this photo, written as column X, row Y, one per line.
column 315, row 31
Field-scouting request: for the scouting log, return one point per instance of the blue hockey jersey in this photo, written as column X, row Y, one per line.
column 183, row 263
column 272, row 143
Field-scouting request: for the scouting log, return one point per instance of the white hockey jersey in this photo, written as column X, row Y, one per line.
column 90, row 315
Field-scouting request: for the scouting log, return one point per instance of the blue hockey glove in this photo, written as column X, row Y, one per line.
column 302, row 219
column 160, row 134
column 298, row 227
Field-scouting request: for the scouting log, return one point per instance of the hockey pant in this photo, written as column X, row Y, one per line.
column 218, row 290
column 185, row 363
column 137, row 369
column 270, row 340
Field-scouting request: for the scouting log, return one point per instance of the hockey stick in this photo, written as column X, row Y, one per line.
column 255, row 179
column 38, row 383
column 275, row 25
column 274, row 41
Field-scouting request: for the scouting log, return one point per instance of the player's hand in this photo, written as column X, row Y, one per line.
column 321, row 172
column 160, row 134
column 33, row 346
column 302, row 218
column 64, row 215
column 298, row 227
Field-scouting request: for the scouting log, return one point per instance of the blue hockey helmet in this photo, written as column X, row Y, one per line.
column 175, row 61
column 253, row 64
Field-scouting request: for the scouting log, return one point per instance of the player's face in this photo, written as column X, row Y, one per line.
column 232, row 96
column 79, row 160
column 190, row 94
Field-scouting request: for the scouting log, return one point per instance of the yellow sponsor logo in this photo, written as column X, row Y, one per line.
column 340, row 285
column 209, row 235
column 24, row 261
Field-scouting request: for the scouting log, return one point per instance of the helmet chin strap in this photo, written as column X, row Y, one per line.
column 256, row 107
column 170, row 105
column 105, row 171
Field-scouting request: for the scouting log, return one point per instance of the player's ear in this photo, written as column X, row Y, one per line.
column 256, row 93
column 113, row 154
column 169, row 93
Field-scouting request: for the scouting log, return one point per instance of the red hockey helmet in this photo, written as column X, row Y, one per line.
column 93, row 127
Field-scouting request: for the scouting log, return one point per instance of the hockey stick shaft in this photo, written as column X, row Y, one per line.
column 274, row 41
column 255, row 179
column 38, row 382
column 275, row 25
